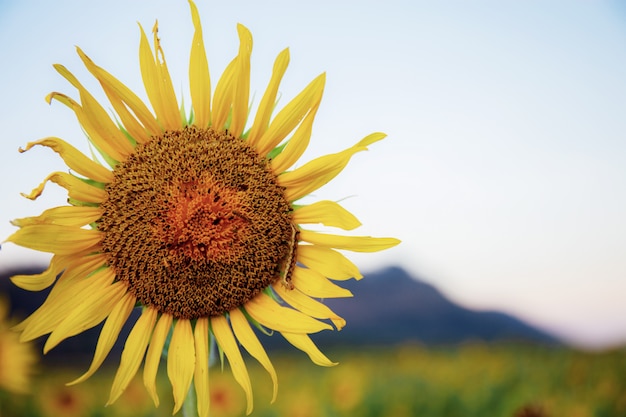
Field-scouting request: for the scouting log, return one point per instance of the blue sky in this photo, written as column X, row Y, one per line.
column 504, row 169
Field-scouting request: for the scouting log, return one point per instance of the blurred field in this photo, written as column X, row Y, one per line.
column 470, row 380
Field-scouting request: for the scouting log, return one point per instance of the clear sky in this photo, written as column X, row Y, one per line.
column 505, row 168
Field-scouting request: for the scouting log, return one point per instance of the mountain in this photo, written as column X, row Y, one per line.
column 389, row 307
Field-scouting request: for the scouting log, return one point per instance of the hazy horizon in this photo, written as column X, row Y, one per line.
column 503, row 172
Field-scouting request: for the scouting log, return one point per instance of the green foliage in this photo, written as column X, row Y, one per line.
column 465, row 381
column 470, row 380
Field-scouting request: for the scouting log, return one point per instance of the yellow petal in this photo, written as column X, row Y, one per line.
column 130, row 123
column 223, row 98
column 77, row 267
column 327, row 213
column 305, row 344
column 296, row 145
column 242, row 87
column 351, row 243
column 121, row 97
column 314, row 284
column 266, row 106
column 201, row 372
column 133, row 353
column 292, row 114
column 92, row 309
column 226, row 340
column 81, row 266
column 98, row 119
column 158, row 83
column 60, row 240
column 199, row 79
column 153, row 357
column 267, row 312
column 308, row 305
column 106, row 149
column 77, row 189
column 74, row 159
column 109, row 334
column 38, row 282
column 328, row 262
column 250, row 342
column 64, row 216
column 168, row 94
column 57, row 307
column 181, row 361
column 314, row 174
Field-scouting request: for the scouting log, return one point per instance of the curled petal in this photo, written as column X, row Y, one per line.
column 74, row 159
column 77, row 189
column 314, row 174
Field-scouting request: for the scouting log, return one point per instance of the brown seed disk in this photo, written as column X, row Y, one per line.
column 196, row 223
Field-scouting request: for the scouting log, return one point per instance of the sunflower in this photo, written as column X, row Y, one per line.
column 17, row 360
column 55, row 400
column 193, row 219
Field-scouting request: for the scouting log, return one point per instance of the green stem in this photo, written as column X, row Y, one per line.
column 190, row 405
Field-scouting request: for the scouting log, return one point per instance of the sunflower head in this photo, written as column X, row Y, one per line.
column 194, row 218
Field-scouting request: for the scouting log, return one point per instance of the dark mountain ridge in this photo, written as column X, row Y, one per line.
column 389, row 307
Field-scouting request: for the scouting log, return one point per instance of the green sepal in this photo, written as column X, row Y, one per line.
column 219, row 348
column 122, row 129
column 78, row 203
column 183, row 114
column 166, row 344
column 192, row 118
column 255, row 323
column 229, row 120
column 91, row 182
column 110, row 161
column 277, row 150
